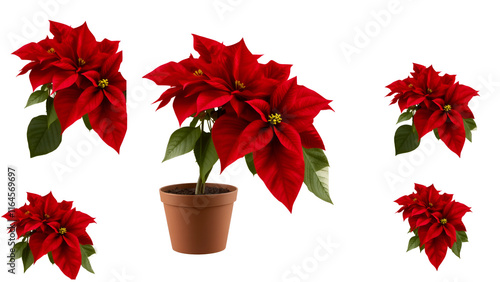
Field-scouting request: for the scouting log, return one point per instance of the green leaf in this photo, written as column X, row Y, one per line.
column 457, row 247
column 405, row 116
column 51, row 111
column 436, row 133
column 19, row 249
column 27, row 257
column 87, row 251
column 316, row 173
column 462, row 236
column 406, row 139
column 182, row 141
column 194, row 122
column 206, row 156
column 51, row 259
column 43, row 139
column 87, row 122
column 36, row 97
column 414, row 243
column 422, row 248
column 469, row 125
column 250, row 164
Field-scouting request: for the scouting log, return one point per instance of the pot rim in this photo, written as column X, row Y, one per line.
column 198, row 201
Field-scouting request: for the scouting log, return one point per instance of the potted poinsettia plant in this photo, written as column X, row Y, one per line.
column 78, row 78
column 436, row 221
column 433, row 103
column 48, row 227
column 238, row 108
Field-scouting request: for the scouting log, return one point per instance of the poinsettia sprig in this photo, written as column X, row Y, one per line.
column 433, row 103
column 79, row 78
column 436, row 221
column 243, row 108
column 55, row 229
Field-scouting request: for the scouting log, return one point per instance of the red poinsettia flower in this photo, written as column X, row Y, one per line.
column 418, row 207
column 429, row 84
column 238, row 77
column 38, row 213
column 102, row 99
column 442, row 232
column 223, row 75
column 42, row 55
column 20, row 218
column 275, row 138
column 425, row 83
column 44, row 210
column 187, row 80
column 63, row 241
column 78, row 54
column 447, row 115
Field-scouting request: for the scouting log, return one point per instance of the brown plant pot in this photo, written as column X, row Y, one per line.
column 198, row 224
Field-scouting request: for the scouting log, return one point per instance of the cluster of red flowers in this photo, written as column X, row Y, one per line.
column 54, row 229
column 84, row 77
column 259, row 111
column 436, row 103
column 436, row 220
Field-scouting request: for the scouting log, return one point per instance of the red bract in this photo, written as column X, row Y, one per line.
column 436, row 221
column 84, row 76
column 222, row 76
column 102, row 99
column 418, row 207
column 422, row 86
column 433, row 102
column 54, row 228
column 41, row 211
column 255, row 110
column 276, row 137
column 447, row 114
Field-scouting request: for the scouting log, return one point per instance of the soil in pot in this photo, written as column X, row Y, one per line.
column 191, row 191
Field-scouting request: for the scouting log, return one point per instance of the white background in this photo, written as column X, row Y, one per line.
column 266, row 243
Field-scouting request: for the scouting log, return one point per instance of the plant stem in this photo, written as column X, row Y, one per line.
column 200, row 185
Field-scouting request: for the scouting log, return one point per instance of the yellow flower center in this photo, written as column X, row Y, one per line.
column 239, row 85
column 46, row 216
column 51, row 51
column 275, row 119
column 431, row 205
column 103, row 83
column 62, row 231
column 199, row 72
column 410, row 85
column 81, row 62
column 27, row 213
column 444, row 221
column 447, row 108
column 429, row 90
column 414, row 199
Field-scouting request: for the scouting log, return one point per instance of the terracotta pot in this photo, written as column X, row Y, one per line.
column 198, row 224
